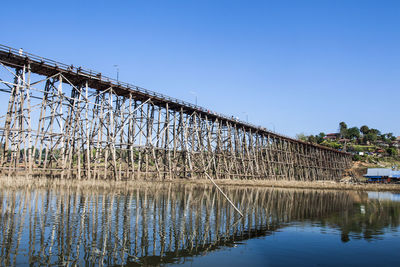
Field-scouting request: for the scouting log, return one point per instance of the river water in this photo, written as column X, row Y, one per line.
column 193, row 225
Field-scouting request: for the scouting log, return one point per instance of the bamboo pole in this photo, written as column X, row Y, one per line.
column 220, row 190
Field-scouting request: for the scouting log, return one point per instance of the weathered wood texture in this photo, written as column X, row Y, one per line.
column 67, row 122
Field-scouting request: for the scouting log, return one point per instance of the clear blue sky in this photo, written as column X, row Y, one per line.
column 296, row 66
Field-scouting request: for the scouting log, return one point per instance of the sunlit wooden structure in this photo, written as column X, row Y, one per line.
column 65, row 121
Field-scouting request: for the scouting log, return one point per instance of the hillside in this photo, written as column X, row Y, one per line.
column 370, row 147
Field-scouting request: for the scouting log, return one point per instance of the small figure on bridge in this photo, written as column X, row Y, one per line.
column 20, row 51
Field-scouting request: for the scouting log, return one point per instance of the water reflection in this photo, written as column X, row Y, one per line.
column 384, row 196
column 166, row 223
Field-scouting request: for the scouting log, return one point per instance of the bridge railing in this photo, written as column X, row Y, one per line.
column 97, row 75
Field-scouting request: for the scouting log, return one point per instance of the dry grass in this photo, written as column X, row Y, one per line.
column 305, row 185
column 23, row 182
column 98, row 185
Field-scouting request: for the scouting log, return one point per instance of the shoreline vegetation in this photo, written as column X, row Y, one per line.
column 23, row 182
column 367, row 145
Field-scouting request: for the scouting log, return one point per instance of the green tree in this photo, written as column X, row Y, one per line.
column 383, row 138
column 343, row 128
column 312, row 139
column 370, row 137
column 374, row 131
column 320, row 137
column 301, row 136
column 392, row 151
column 331, row 144
column 364, row 129
column 353, row 133
column 391, row 137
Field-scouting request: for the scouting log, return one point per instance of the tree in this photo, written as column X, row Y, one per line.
column 383, row 138
column 320, row 137
column 374, row 131
column 353, row 133
column 343, row 128
column 301, row 136
column 364, row 129
column 312, row 139
column 331, row 144
column 370, row 137
column 392, row 151
column 391, row 137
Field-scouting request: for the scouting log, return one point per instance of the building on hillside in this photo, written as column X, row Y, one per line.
column 344, row 140
column 381, row 143
column 396, row 143
column 332, row 136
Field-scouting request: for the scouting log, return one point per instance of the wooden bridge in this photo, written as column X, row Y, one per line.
column 65, row 121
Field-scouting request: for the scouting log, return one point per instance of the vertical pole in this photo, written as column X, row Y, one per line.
column 88, row 143
column 30, row 148
column 60, row 113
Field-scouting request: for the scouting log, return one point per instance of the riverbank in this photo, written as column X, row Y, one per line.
column 22, row 182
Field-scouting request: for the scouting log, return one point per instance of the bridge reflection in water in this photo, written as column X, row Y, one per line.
column 166, row 223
